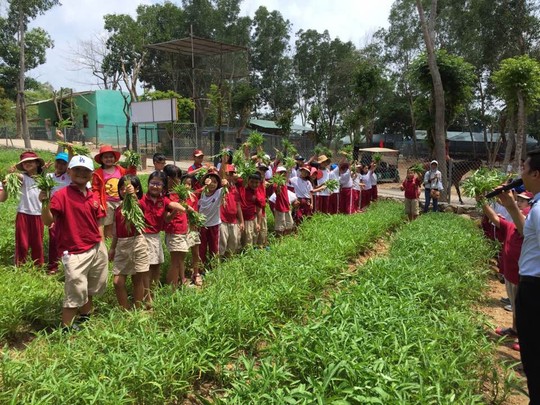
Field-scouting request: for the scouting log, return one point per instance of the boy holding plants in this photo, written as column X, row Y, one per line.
column 76, row 211
column 252, row 203
column 411, row 186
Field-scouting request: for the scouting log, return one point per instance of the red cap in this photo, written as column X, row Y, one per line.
column 198, row 152
column 230, row 168
column 526, row 195
column 28, row 156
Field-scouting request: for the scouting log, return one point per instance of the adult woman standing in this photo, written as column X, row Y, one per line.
column 433, row 186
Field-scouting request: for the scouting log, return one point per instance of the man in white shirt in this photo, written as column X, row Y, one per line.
column 527, row 299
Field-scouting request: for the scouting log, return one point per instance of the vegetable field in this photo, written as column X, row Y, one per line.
column 299, row 323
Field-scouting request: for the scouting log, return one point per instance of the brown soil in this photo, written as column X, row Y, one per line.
column 493, row 309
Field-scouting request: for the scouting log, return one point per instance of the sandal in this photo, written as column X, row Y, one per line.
column 508, row 332
column 197, row 280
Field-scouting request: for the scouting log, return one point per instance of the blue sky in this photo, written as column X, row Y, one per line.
column 79, row 20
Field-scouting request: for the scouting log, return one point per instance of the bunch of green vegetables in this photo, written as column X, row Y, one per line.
column 288, row 148
column 45, row 183
column 418, row 168
column 322, row 150
column 244, row 167
column 347, row 151
column 195, row 218
column 13, row 184
column 332, row 185
column 184, row 192
column 132, row 212
column 289, row 162
column 278, row 180
column 482, row 181
column 255, row 140
column 132, row 158
column 377, row 157
column 203, row 171
column 77, row 149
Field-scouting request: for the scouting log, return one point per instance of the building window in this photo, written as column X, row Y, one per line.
column 85, row 120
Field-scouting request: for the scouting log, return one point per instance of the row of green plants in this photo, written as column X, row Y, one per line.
column 401, row 332
column 159, row 356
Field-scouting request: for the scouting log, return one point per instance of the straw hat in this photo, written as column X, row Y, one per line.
column 106, row 149
column 27, row 157
column 322, row 159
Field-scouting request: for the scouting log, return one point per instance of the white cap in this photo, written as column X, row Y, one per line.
column 434, row 161
column 81, row 161
column 281, row 169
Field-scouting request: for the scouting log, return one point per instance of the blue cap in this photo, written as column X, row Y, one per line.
column 62, row 156
column 333, row 166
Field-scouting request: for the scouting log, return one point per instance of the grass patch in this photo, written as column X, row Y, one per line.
column 402, row 332
column 157, row 357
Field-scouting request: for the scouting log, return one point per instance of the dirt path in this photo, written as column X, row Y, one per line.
column 494, row 311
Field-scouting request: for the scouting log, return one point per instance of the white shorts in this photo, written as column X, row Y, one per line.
column 177, row 242
column 229, row 238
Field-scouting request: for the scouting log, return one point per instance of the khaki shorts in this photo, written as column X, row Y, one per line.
column 511, row 290
column 249, row 236
column 131, row 256
column 155, row 249
column 411, row 206
column 262, row 238
column 177, row 243
column 229, row 238
column 193, row 238
column 283, row 221
column 111, row 207
column 85, row 275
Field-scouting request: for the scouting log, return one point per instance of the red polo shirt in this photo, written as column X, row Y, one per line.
column 229, row 207
column 76, row 219
column 154, row 212
column 412, row 188
column 179, row 223
column 250, row 200
column 282, row 199
column 121, row 228
column 511, row 250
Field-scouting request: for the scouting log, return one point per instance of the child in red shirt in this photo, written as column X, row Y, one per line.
column 128, row 251
column 252, row 203
column 232, row 221
column 282, row 209
column 76, row 212
column 411, row 185
column 105, row 182
column 194, row 238
column 176, row 231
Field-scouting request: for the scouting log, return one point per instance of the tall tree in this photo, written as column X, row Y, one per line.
column 271, row 63
column 15, row 31
column 518, row 82
column 428, row 30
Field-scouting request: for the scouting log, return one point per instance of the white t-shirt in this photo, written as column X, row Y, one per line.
column 356, row 182
column 63, row 180
column 334, row 175
column 373, row 179
column 302, row 187
column 209, row 206
column 29, row 203
column 345, row 179
column 292, row 197
column 366, row 179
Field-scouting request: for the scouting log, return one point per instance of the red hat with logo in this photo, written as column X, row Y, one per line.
column 197, row 153
column 106, row 149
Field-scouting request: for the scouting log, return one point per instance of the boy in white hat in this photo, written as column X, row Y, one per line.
column 75, row 211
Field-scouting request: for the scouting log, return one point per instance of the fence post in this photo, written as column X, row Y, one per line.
column 449, row 177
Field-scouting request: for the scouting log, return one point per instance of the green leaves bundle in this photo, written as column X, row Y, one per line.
column 132, row 212
column 132, row 158
column 332, row 185
column 45, row 183
column 482, row 181
column 278, row 180
column 289, row 163
column 255, row 140
column 184, row 192
column 347, row 151
column 418, row 168
column 244, row 167
column 201, row 173
column 377, row 157
column 322, row 150
column 196, row 218
column 77, row 149
column 13, row 185
column 288, row 148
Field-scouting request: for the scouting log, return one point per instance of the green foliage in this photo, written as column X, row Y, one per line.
column 322, row 150
column 519, row 75
column 132, row 158
column 332, row 185
column 13, row 185
column 482, row 181
column 389, row 334
column 132, row 213
column 45, row 183
column 418, row 168
column 255, row 140
column 159, row 355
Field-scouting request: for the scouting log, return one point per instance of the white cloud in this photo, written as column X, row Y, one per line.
column 78, row 20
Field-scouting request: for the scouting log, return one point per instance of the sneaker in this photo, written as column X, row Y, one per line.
column 508, row 332
column 508, row 308
column 82, row 319
column 69, row 329
column 505, row 300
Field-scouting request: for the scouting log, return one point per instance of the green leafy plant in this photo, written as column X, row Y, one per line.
column 418, row 168
column 482, row 181
column 332, row 185
column 77, row 149
column 132, row 212
column 13, row 185
column 288, row 148
column 45, row 183
column 196, row 219
column 377, row 157
column 132, row 158
column 255, row 140
column 322, row 150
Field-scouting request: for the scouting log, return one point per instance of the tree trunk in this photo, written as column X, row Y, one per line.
column 510, row 142
column 520, row 133
column 21, row 102
column 439, row 137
